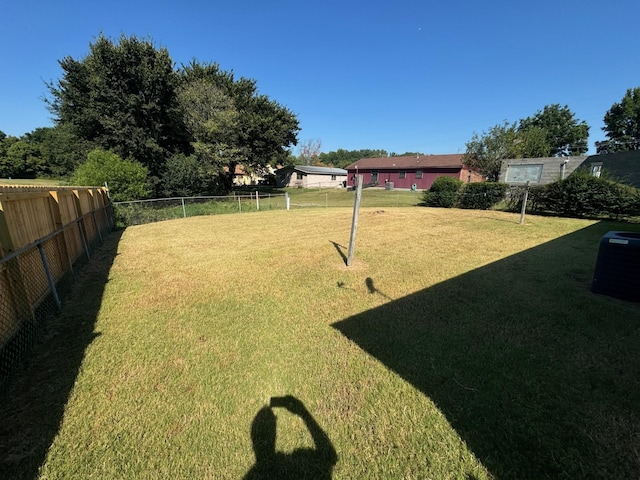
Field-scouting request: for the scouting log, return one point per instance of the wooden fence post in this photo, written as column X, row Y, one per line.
column 17, row 287
column 63, row 249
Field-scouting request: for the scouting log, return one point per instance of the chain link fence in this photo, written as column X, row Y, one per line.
column 147, row 211
column 35, row 278
column 155, row 210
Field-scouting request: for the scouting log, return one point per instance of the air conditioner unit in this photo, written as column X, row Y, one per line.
column 617, row 271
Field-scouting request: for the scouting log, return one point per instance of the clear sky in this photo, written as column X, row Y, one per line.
column 399, row 75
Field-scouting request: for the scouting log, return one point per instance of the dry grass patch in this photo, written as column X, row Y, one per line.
column 405, row 360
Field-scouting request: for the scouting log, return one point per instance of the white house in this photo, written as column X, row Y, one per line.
column 311, row 177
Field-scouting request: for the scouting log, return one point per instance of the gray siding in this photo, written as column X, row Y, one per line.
column 552, row 168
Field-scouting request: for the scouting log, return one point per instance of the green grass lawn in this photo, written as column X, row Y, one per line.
column 40, row 182
column 341, row 197
column 458, row 345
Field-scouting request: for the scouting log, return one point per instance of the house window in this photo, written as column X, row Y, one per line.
column 418, row 174
column 333, row 177
column 596, row 169
column 402, row 174
column 298, row 176
column 374, row 177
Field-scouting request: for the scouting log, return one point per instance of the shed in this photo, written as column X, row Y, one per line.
column 518, row 171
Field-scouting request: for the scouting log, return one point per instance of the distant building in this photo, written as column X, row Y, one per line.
column 410, row 170
column 306, row 176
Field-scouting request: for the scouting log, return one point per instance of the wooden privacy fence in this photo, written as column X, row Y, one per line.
column 44, row 232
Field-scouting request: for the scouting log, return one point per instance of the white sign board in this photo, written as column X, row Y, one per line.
column 523, row 173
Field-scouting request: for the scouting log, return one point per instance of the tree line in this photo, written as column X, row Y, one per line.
column 185, row 130
column 310, row 153
column 188, row 127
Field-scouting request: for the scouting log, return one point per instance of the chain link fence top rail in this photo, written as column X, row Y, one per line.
column 155, row 210
column 44, row 234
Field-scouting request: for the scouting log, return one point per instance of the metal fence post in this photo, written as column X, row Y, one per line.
column 184, row 210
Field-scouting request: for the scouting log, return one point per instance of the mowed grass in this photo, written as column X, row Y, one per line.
column 39, row 182
column 342, row 197
column 459, row 344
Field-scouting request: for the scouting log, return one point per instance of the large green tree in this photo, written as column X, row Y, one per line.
column 126, row 97
column 622, row 124
column 565, row 135
column 122, row 97
column 486, row 152
column 231, row 124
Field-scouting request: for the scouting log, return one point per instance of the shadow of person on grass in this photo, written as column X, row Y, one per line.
column 304, row 463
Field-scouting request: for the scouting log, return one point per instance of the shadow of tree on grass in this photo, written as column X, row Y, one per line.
column 537, row 374
column 32, row 406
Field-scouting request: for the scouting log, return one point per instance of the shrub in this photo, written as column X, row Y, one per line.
column 583, row 195
column 127, row 179
column 482, row 195
column 443, row 192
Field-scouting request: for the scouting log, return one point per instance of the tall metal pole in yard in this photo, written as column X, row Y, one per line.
column 354, row 221
column 524, row 203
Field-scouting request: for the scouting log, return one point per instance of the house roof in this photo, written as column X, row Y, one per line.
column 453, row 160
column 313, row 170
column 621, row 166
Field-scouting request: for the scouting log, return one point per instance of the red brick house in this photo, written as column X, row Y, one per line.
column 404, row 172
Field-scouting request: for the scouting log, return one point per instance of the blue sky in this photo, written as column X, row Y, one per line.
column 399, row 75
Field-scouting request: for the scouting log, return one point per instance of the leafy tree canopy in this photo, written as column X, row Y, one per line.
column 44, row 152
column 564, row 134
column 231, row 124
column 485, row 153
column 126, row 97
column 622, row 124
column 122, row 97
column 552, row 131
